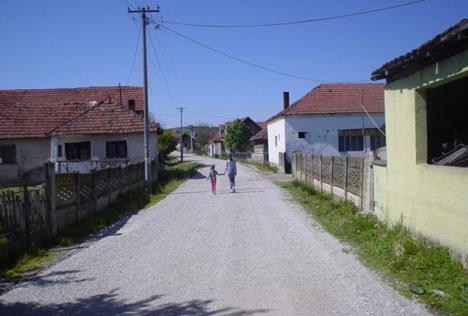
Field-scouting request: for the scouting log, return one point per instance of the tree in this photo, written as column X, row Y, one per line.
column 166, row 144
column 204, row 134
column 237, row 136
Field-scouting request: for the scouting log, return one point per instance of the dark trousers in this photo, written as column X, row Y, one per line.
column 232, row 180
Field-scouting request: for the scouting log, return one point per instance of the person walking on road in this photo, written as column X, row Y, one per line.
column 231, row 171
column 212, row 178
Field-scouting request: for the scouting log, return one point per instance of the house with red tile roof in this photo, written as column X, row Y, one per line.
column 77, row 137
column 343, row 119
column 129, row 97
column 217, row 146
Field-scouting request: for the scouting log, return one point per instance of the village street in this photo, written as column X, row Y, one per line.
column 195, row 253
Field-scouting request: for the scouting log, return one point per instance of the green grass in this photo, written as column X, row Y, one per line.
column 25, row 263
column 262, row 166
column 170, row 178
column 414, row 267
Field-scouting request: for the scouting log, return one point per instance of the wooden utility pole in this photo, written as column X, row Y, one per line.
column 146, row 135
column 181, row 109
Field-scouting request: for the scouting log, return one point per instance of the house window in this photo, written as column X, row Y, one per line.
column 7, row 154
column 350, row 140
column 116, row 149
column 301, row 134
column 276, row 141
column 78, row 151
column 447, row 128
column 377, row 141
column 59, row 151
column 131, row 104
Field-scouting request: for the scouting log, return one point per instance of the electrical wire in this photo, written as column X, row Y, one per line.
column 251, row 63
column 372, row 120
column 134, row 57
column 347, row 15
column 169, row 90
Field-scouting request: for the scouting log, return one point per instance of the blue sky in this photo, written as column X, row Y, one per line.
column 53, row 43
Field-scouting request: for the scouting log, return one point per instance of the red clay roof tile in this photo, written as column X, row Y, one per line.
column 26, row 120
column 338, row 98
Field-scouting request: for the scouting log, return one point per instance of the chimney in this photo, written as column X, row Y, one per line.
column 285, row 100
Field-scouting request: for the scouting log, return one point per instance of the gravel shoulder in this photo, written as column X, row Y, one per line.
column 195, row 253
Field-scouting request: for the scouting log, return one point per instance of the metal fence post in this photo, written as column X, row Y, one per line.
column 346, row 179
column 77, row 195
column 320, row 167
column 362, row 184
column 27, row 214
column 93, row 189
column 51, row 192
column 109, row 185
column 332, row 167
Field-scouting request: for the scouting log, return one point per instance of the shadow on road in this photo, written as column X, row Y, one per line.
column 109, row 304
column 52, row 278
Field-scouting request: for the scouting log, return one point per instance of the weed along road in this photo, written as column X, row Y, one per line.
column 195, row 253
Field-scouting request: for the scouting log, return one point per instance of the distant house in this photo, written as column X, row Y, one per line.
column 217, row 145
column 260, row 144
column 128, row 97
column 424, row 182
column 77, row 137
column 332, row 119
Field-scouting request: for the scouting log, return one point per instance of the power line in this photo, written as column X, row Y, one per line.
column 347, row 15
column 162, row 70
column 251, row 63
column 134, row 57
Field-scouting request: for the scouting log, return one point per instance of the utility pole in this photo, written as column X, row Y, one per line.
column 181, row 109
column 191, row 138
column 146, row 135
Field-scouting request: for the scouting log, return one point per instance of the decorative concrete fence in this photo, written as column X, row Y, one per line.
column 28, row 217
column 345, row 177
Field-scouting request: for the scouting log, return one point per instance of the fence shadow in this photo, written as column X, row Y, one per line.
column 110, row 304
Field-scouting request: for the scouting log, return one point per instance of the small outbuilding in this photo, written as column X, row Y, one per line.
column 424, row 181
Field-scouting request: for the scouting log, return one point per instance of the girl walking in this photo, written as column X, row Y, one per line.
column 212, row 177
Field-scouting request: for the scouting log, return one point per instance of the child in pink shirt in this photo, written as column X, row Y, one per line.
column 212, row 177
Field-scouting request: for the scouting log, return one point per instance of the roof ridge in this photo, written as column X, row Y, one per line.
column 69, row 88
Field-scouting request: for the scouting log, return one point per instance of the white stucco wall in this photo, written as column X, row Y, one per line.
column 321, row 136
column 135, row 152
column 276, row 129
column 31, row 154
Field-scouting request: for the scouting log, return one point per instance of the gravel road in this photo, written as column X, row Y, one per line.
column 195, row 253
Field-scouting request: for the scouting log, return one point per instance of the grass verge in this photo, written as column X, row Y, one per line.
column 172, row 175
column 414, row 267
column 261, row 166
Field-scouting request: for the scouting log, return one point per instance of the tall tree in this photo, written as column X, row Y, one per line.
column 204, row 133
column 237, row 136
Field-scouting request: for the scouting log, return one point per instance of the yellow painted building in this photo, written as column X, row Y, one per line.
column 426, row 115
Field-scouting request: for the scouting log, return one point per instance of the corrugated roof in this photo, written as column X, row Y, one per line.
column 338, row 98
column 27, row 120
column 448, row 43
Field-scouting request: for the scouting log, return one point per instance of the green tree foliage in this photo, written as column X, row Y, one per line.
column 237, row 136
column 203, row 134
column 166, row 144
